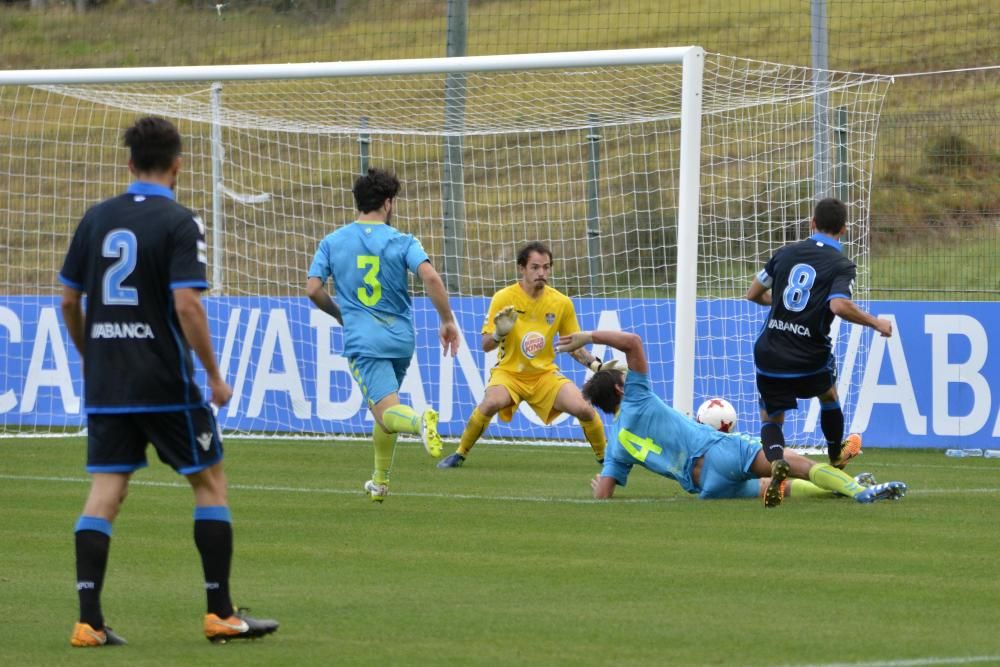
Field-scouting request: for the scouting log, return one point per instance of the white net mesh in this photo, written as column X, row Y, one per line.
column 585, row 160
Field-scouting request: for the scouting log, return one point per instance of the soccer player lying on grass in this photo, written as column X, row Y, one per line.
column 648, row 432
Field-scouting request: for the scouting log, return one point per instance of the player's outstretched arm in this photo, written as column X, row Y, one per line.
column 438, row 294
column 758, row 293
column 846, row 309
column 194, row 324
column 317, row 294
column 629, row 343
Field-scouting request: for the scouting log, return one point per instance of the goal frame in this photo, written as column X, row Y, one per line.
column 690, row 58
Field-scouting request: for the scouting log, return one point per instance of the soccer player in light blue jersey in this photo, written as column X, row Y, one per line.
column 369, row 261
column 648, row 432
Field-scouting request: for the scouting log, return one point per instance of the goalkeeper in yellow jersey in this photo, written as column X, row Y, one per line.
column 524, row 321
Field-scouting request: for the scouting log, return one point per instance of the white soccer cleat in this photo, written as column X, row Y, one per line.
column 377, row 492
column 887, row 491
column 865, row 479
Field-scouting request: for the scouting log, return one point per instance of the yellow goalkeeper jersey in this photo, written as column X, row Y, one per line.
column 530, row 347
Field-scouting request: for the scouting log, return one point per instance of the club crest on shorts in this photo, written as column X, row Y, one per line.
column 205, row 440
column 550, row 318
column 532, row 344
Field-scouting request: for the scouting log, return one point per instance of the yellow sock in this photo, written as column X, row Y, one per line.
column 827, row 477
column 800, row 488
column 385, row 447
column 594, row 432
column 473, row 431
column 401, row 419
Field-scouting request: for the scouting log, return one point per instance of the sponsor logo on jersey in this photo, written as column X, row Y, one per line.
column 532, row 343
column 121, row 330
column 205, row 440
column 550, row 318
column 791, row 327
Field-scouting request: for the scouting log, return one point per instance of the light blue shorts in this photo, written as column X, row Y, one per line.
column 378, row 377
column 725, row 472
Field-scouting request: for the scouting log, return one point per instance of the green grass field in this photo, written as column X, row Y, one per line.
column 507, row 561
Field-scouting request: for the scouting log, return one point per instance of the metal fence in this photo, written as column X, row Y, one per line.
column 936, row 179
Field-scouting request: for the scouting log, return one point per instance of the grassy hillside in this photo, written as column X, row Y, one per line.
column 936, row 179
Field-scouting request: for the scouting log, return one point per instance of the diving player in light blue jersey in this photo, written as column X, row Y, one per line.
column 369, row 262
column 648, row 432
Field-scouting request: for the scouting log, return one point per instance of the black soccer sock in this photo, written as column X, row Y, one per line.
column 213, row 535
column 93, row 541
column 831, row 420
column 773, row 440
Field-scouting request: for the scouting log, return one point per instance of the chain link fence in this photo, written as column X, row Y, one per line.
column 936, row 177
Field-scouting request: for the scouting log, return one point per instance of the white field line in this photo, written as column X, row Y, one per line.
column 913, row 662
column 350, row 492
column 425, row 494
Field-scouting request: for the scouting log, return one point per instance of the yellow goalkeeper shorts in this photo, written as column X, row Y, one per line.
column 537, row 390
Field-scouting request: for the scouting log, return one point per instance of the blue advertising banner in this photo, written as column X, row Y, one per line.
column 934, row 383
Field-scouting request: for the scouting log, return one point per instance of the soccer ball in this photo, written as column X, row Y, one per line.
column 717, row 413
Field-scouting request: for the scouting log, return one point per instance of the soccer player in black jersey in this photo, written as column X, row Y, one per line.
column 140, row 259
column 805, row 284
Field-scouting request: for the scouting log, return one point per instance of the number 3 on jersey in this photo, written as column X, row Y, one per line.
column 371, row 293
column 800, row 281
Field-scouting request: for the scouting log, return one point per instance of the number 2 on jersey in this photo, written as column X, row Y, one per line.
column 371, row 294
column 120, row 243
column 800, row 281
column 636, row 446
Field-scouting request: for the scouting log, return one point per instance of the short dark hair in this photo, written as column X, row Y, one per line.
column 154, row 143
column 830, row 215
column 600, row 390
column 373, row 188
column 534, row 246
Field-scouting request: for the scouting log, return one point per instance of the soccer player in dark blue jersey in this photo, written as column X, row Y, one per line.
column 369, row 262
column 140, row 259
column 649, row 433
column 805, row 284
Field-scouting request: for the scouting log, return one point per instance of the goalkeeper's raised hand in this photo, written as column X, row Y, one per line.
column 613, row 365
column 503, row 323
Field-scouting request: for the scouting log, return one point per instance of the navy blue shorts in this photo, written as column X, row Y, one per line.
column 186, row 440
column 778, row 394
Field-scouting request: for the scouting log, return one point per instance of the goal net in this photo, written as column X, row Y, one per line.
column 586, row 158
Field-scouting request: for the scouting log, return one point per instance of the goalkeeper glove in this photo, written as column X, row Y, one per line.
column 613, row 365
column 504, row 322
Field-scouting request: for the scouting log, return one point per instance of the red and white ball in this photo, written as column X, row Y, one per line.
column 717, row 413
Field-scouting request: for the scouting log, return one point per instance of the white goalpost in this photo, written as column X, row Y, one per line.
column 661, row 178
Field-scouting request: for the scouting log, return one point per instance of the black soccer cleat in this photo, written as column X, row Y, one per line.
column 775, row 491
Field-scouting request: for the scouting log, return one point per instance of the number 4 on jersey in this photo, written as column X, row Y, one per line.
column 638, row 447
